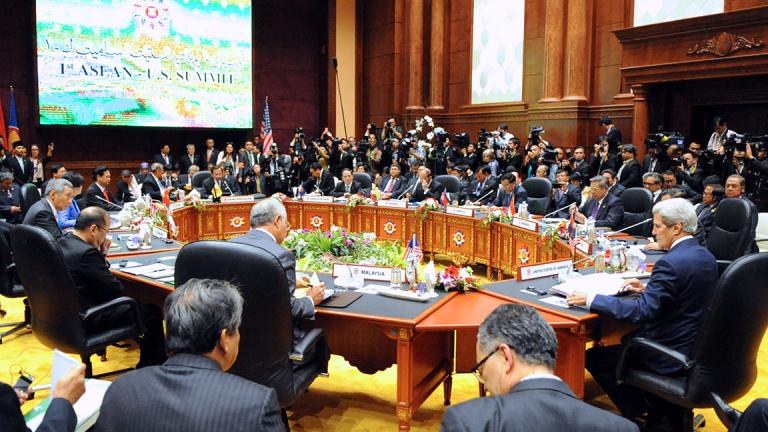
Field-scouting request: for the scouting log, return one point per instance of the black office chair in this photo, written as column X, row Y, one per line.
column 364, row 179
column 725, row 352
column 29, row 195
column 9, row 287
column 451, row 184
column 730, row 233
column 56, row 318
column 638, row 203
column 267, row 353
column 539, row 192
column 753, row 419
column 199, row 178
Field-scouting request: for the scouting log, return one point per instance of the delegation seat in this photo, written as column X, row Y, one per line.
column 28, row 196
column 10, row 288
column 268, row 354
column 364, row 179
column 724, row 357
column 638, row 206
column 57, row 321
column 198, row 179
column 730, row 233
column 452, row 186
column 539, row 192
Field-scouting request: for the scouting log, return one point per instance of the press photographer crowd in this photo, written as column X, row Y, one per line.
column 490, row 170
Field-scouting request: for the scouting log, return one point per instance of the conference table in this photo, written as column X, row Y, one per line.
column 428, row 341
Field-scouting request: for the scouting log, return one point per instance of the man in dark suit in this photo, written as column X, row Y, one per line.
column 155, row 183
column 653, row 181
column 604, row 208
column 735, row 187
column 18, row 163
column 59, row 416
column 249, row 159
column 84, row 250
column 655, row 160
column 612, row 134
column 98, row 193
column 269, row 227
column 191, row 391
column 320, row 181
column 189, row 159
column 614, row 187
column 629, row 172
column 670, row 182
column 44, row 213
column 579, row 163
column 426, row 187
column 668, row 312
column 348, row 186
column 226, row 184
column 393, row 185
column 165, row 158
column 124, row 187
column 705, row 211
column 210, row 155
column 10, row 201
column 516, row 350
column 602, row 158
column 482, row 190
column 565, row 195
column 510, row 187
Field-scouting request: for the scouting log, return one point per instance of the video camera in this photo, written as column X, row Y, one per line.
column 299, row 131
column 664, row 139
column 534, row 134
column 461, row 139
column 483, row 135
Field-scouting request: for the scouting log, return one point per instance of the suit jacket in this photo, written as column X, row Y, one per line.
column 614, row 139
column 503, row 198
column 6, row 202
column 188, row 392
column 91, row 199
column 89, row 271
column 617, row 189
column 582, row 168
column 660, row 166
column 59, row 417
column 326, row 183
column 435, row 190
column 41, row 215
column 185, row 163
column 537, row 404
column 670, row 309
column 159, row 159
column 301, row 308
column 123, row 192
column 354, row 188
column 598, row 165
column 68, row 217
column 631, row 175
column 228, row 186
column 610, row 213
column 150, row 187
column 706, row 216
column 208, row 164
column 560, row 199
column 397, row 188
column 485, row 192
column 13, row 165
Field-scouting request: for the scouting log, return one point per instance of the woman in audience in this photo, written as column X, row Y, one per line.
column 68, row 216
column 38, row 174
column 230, row 159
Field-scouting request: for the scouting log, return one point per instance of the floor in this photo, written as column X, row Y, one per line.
column 346, row 401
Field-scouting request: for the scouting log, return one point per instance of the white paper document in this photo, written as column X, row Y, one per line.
column 147, row 270
column 597, row 283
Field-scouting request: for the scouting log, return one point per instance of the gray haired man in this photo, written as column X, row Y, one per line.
column 44, row 213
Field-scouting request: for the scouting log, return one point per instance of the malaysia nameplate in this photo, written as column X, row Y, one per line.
column 393, row 203
column 525, row 224
column 318, row 199
column 368, row 272
column 460, row 211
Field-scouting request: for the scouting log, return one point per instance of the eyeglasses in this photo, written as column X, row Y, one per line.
column 477, row 370
column 649, row 183
column 102, row 228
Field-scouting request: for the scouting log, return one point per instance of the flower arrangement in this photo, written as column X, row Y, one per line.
column 318, row 250
column 145, row 211
column 355, row 200
column 426, row 206
column 498, row 214
column 551, row 233
column 455, row 279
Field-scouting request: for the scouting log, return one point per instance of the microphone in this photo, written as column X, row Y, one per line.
column 626, row 228
column 407, row 189
column 102, row 199
column 335, row 62
column 557, row 211
column 486, row 195
column 226, row 183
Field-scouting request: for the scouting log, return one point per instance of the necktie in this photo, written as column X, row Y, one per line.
column 258, row 185
column 21, row 164
column 390, row 185
column 595, row 209
column 106, row 196
column 346, row 188
column 250, row 158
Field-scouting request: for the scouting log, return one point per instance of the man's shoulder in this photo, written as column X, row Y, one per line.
column 93, row 189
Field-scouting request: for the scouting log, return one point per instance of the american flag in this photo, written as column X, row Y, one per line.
column 572, row 232
column 413, row 250
column 266, row 128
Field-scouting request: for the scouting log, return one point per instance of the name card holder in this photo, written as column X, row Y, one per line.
column 525, row 224
column 368, row 272
column 540, row 270
column 318, row 199
column 584, row 246
column 237, row 199
column 176, row 206
column 159, row 233
column 393, row 203
column 460, row 211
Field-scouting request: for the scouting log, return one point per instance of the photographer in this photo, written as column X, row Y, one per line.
column 248, row 160
column 437, row 160
column 688, row 171
column 341, row 158
column 278, row 171
column 758, row 175
column 393, row 152
column 612, row 134
column 604, row 159
column 579, row 162
column 720, row 135
column 391, row 130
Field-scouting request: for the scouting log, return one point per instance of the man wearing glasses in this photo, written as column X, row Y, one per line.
column 516, row 349
column 83, row 251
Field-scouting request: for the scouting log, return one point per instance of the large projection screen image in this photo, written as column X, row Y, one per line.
column 179, row 63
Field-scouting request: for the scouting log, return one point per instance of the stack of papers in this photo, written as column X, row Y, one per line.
column 597, row 283
column 154, row 271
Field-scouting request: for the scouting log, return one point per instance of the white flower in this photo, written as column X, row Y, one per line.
column 334, row 228
column 431, row 124
column 369, row 236
column 464, row 274
column 418, row 129
column 428, row 119
column 430, row 135
column 302, row 242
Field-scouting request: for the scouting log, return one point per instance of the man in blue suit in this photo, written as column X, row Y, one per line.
column 606, row 209
column 510, row 187
column 668, row 311
column 564, row 195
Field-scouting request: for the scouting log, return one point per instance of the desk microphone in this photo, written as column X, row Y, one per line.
column 487, row 195
column 111, row 203
column 557, row 211
column 626, row 228
column 407, row 189
column 226, row 183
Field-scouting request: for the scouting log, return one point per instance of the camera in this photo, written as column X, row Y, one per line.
column 483, row 135
column 461, row 139
column 299, row 131
column 758, row 143
column 736, row 142
column 534, row 133
column 664, row 139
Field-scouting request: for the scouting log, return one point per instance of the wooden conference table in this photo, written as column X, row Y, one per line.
column 427, row 341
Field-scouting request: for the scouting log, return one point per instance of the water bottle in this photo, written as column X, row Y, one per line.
column 522, row 210
column 591, row 229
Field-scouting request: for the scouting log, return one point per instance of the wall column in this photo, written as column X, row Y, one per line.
column 554, row 33
column 578, row 50
column 640, row 122
column 437, row 56
column 346, row 53
column 415, row 62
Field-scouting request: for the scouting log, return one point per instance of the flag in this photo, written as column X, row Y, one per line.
column 266, row 129
column 512, row 203
column 444, row 199
column 216, row 193
column 2, row 127
column 373, row 196
column 413, row 250
column 167, row 197
column 13, row 124
column 572, row 231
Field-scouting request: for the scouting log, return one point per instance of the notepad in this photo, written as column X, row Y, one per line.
column 597, row 283
column 147, row 270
